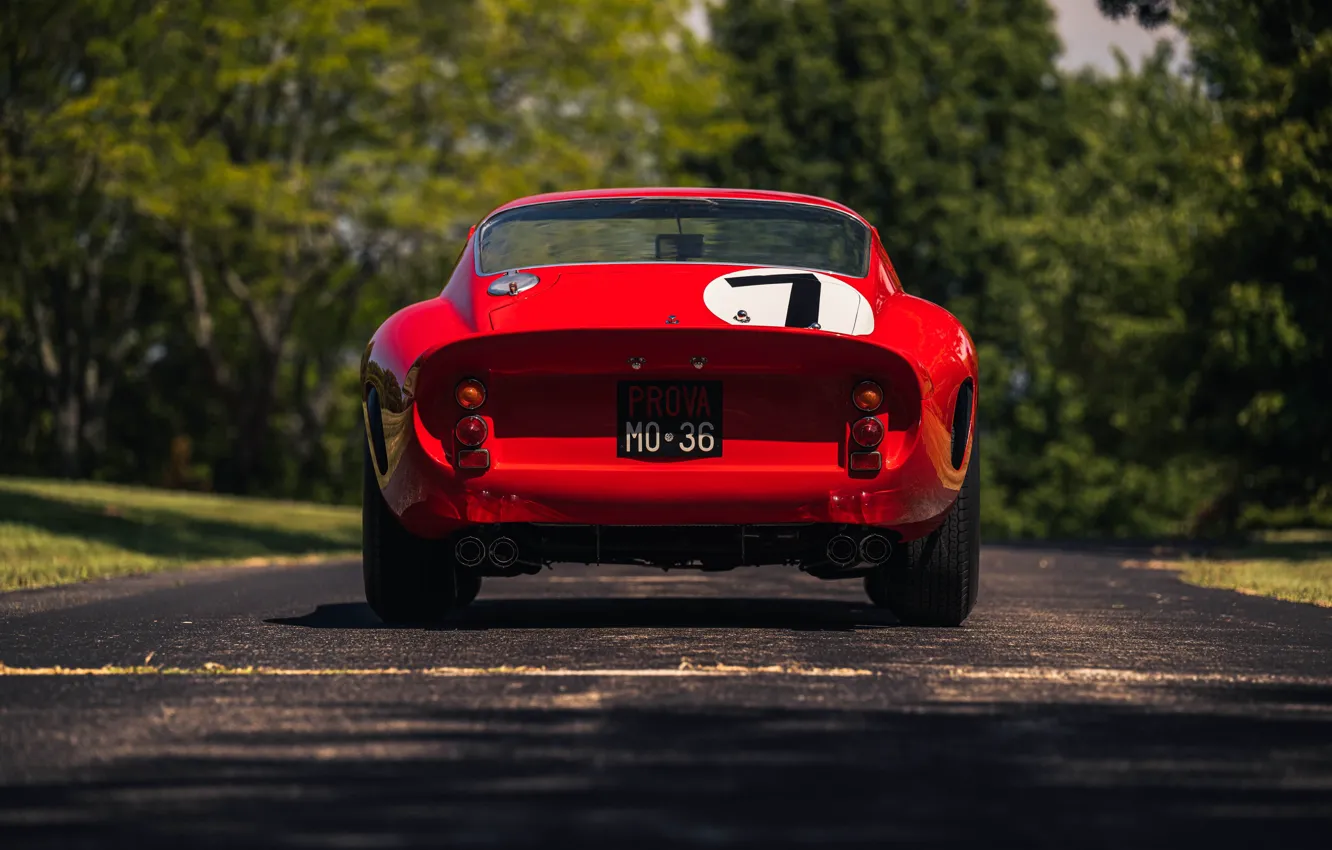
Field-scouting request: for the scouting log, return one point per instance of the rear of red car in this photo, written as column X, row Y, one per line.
column 674, row 426
column 670, row 411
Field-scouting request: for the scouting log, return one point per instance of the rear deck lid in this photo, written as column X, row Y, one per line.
column 703, row 296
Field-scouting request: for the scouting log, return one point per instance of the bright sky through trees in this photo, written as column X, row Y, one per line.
column 1088, row 36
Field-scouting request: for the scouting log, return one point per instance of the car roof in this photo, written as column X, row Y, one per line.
column 680, row 192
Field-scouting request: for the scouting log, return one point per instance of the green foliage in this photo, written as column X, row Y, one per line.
column 1054, row 215
column 1259, row 296
column 1093, row 434
column 1262, row 297
column 209, row 206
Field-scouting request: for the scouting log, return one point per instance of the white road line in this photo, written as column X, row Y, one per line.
column 211, row 669
column 687, row 669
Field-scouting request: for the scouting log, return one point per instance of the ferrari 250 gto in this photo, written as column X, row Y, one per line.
column 673, row 378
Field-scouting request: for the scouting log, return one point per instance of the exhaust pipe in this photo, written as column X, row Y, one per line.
column 842, row 550
column 875, row 548
column 503, row 551
column 469, row 551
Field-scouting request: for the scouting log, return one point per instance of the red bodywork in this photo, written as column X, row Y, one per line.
column 551, row 356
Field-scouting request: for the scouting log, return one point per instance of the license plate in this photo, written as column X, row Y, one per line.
column 661, row 420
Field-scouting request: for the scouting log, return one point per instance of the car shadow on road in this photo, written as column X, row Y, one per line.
column 618, row 612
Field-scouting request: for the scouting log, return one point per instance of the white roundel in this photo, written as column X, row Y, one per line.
column 793, row 298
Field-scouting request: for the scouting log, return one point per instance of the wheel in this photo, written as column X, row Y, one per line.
column 469, row 585
column 407, row 579
column 875, row 590
column 935, row 581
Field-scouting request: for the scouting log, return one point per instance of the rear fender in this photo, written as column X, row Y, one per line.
column 391, row 365
column 945, row 361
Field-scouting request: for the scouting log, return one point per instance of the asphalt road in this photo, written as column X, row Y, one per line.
column 1084, row 704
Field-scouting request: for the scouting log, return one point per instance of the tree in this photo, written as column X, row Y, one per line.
column 1049, row 213
column 1149, row 13
column 1260, row 302
column 1093, row 434
column 74, row 290
column 1264, row 304
column 301, row 162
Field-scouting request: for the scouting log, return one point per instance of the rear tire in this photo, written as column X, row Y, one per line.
column 875, row 590
column 469, row 585
column 935, row 581
column 407, row 579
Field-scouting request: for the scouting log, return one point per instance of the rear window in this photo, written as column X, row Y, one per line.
column 674, row 230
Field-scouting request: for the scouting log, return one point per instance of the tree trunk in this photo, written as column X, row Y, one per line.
column 68, row 434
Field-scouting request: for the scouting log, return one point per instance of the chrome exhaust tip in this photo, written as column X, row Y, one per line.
column 875, row 548
column 503, row 551
column 469, row 551
column 842, row 550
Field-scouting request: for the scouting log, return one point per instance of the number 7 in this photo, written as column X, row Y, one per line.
column 806, row 291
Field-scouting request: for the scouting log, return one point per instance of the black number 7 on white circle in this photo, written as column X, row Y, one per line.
column 803, row 308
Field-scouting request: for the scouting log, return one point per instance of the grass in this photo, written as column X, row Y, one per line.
column 56, row 532
column 1293, row 565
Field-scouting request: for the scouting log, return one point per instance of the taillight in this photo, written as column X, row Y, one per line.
column 868, row 396
column 868, row 432
column 471, row 431
column 470, row 394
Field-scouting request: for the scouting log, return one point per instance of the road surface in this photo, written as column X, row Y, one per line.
column 1084, row 704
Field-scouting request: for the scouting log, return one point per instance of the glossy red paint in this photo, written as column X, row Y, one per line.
column 550, row 359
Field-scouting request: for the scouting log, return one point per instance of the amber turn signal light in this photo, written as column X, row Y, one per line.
column 471, row 431
column 868, row 432
column 867, row 396
column 470, row 394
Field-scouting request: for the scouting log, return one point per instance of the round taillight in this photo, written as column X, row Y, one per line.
column 867, row 396
column 470, row 394
column 471, row 431
column 868, row 432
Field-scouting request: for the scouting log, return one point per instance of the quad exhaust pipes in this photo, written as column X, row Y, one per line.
column 843, row 550
column 472, row 552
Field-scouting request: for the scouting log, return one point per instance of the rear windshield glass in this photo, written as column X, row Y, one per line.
column 674, row 230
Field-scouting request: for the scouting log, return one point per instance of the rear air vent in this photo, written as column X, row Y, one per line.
column 962, row 422
column 376, row 425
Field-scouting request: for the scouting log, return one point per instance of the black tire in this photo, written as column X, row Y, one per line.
column 935, row 581
column 875, row 590
column 407, row 579
column 469, row 585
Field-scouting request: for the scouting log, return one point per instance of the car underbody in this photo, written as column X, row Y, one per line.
column 824, row 550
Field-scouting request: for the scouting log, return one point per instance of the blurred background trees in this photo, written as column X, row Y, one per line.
column 206, row 208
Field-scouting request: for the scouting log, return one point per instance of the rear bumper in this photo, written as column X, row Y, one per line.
column 911, row 495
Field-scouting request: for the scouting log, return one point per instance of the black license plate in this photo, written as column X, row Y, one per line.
column 669, row 419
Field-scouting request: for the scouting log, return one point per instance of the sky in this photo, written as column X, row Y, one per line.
column 1088, row 36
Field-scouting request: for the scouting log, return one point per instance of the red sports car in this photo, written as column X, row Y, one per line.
column 675, row 378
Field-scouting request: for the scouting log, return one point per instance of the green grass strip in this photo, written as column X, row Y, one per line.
column 56, row 532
